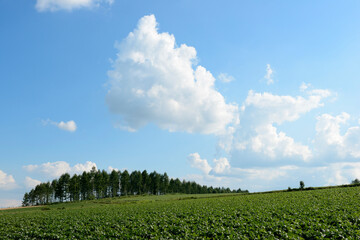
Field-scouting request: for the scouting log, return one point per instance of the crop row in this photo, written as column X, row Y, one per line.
column 329, row 213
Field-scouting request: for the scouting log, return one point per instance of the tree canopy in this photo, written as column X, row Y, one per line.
column 97, row 184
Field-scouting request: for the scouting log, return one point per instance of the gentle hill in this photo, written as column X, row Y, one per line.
column 98, row 184
column 331, row 213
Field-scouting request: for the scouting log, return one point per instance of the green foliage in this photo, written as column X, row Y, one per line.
column 356, row 182
column 302, row 185
column 331, row 213
column 98, row 184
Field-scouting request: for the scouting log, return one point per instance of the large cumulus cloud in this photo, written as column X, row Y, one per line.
column 154, row 80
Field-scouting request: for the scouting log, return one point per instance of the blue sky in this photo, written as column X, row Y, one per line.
column 251, row 94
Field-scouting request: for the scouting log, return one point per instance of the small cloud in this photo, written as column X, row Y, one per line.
column 31, row 183
column 56, row 169
column 224, row 77
column 268, row 75
column 124, row 128
column 110, row 169
column 69, row 126
column 221, row 165
column 7, row 182
column 69, row 5
column 196, row 162
column 304, row 86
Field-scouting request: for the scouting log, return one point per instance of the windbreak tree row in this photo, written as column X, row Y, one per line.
column 98, row 184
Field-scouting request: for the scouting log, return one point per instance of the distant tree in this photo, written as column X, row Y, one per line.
column 193, row 188
column 145, row 179
column 98, row 184
column 32, row 197
column 154, row 182
column 356, row 181
column 136, row 182
column 85, row 186
column 302, row 185
column 125, row 182
column 102, row 184
column 53, row 189
column 48, row 193
column 26, row 200
column 114, row 182
column 74, row 188
column 164, row 183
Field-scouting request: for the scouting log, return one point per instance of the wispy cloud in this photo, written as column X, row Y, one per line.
column 224, row 77
column 69, row 5
column 7, row 203
column 268, row 75
column 69, row 126
column 56, row 169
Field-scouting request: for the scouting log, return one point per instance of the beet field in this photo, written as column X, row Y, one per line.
column 332, row 213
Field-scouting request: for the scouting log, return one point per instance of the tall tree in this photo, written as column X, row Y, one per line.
column 26, row 200
column 54, row 184
column 125, row 182
column 104, row 184
column 74, row 188
column 154, row 182
column 97, row 184
column 63, row 187
column 164, row 183
column 136, row 182
column 145, row 182
column 114, row 182
column 84, row 185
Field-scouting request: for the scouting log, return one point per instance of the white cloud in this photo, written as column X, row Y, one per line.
column 66, row 126
column 110, row 169
column 329, row 138
column 222, row 168
column 9, row 203
column 31, row 183
column 271, row 178
column 221, row 165
column 276, row 144
column 257, row 131
column 338, row 173
column 278, row 109
column 307, row 88
column 304, row 86
column 268, row 75
column 7, row 182
column 56, row 169
column 196, row 162
column 68, row 5
column 155, row 80
column 224, row 77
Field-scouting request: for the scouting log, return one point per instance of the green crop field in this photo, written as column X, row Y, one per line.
column 332, row 213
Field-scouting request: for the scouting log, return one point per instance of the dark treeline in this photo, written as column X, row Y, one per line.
column 98, row 184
